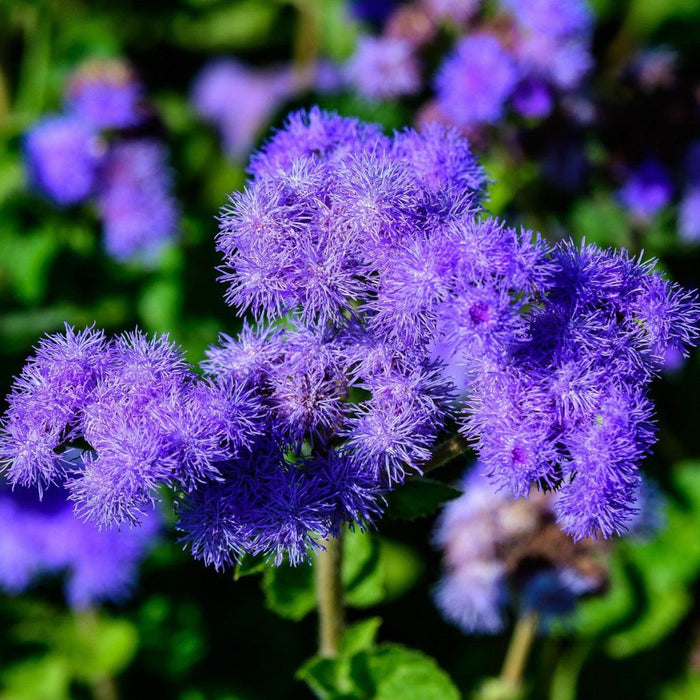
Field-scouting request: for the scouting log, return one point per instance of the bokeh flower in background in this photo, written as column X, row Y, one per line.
column 94, row 152
column 502, row 555
column 239, row 100
column 44, row 538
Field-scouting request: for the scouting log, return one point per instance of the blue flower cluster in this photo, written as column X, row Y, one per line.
column 370, row 267
column 45, row 538
column 95, row 149
column 519, row 54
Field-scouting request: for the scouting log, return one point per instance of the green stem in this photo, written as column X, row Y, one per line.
column 329, row 596
column 102, row 687
column 566, row 674
column 36, row 57
column 446, row 452
column 519, row 648
column 306, row 42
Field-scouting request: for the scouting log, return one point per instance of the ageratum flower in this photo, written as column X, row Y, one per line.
column 135, row 200
column 63, row 157
column 92, row 152
column 384, row 68
column 39, row 538
column 500, row 553
column 386, row 306
column 474, row 83
column 105, row 94
column 145, row 417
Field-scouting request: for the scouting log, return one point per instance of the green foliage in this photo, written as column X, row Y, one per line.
column 85, row 648
column 375, row 570
column 418, row 498
column 651, row 582
column 381, row 672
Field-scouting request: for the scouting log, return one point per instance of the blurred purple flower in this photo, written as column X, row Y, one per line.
column 63, row 157
column 39, row 538
column 138, row 210
column 383, row 68
column 689, row 215
column 475, row 81
column 239, row 101
column 647, row 190
column 105, row 94
column 532, row 98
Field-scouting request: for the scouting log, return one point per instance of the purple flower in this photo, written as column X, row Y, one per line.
column 44, row 537
column 647, row 190
column 457, row 11
column 533, row 99
column 475, row 81
column 369, row 265
column 63, row 157
column 499, row 552
column 146, row 420
column 384, row 68
column 135, row 200
column 556, row 18
column 106, row 95
column 689, row 215
column 239, row 101
column 316, row 134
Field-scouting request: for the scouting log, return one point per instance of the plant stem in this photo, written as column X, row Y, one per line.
column 446, row 452
column 102, row 687
column 306, row 42
column 519, row 648
column 329, row 596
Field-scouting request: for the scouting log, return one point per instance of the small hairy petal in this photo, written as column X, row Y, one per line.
column 45, row 404
column 314, row 133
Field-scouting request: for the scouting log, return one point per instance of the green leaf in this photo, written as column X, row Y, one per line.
column 44, row 678
column 360, row 636
column 289, row 590
column 418, row 498
column 394, row 672
column 98, row 647
column 242, row 24
column 332, row 678
column 363, row 577
column 249, row 565
column 402, row 567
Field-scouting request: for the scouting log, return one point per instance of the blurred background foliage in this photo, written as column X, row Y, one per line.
column 190, row 633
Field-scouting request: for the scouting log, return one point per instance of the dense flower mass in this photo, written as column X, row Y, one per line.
column 388, row 308
column 94, row 151
column 44, row 537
